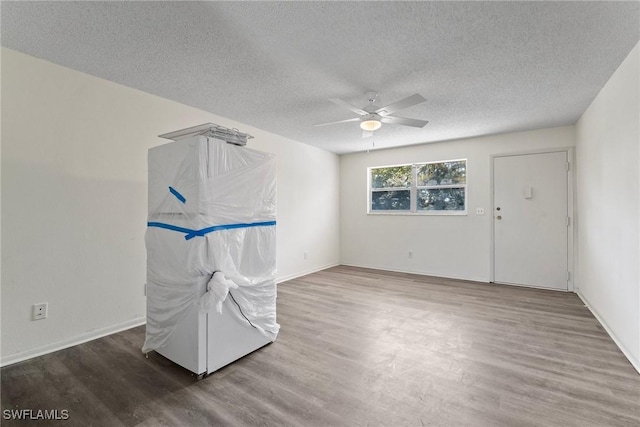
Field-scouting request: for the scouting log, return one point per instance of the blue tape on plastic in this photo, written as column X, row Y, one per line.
column 177, row 194
column 170, row 227
column 190, row 234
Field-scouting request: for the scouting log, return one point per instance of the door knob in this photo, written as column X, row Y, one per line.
column 499, row 217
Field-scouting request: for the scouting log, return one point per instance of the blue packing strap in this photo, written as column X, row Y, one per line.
column 190, row 234
column 177, row 194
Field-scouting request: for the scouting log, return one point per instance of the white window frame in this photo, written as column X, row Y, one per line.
column 413, row 191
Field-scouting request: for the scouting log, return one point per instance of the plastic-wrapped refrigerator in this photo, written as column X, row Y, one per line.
column 211, row 252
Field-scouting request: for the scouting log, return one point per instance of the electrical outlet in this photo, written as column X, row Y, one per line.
column 40, row 311
column 479, row 211
column 306, row 255
column 410, row 254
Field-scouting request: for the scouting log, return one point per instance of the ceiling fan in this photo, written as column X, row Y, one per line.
column 372, row 116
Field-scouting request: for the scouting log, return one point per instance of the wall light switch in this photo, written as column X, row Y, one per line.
column 479, row 211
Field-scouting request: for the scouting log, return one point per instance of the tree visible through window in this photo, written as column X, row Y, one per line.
column 426, row 187
column 391, row 188
column 442, row 186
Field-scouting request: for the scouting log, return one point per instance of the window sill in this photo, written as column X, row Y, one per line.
column 425, row 213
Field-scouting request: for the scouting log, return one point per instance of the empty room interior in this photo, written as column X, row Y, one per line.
column 320, row 213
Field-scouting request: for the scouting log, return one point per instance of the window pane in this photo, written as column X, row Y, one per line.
column 390, row 200
column 441, row 199
column 397, row 176
column 444, row 173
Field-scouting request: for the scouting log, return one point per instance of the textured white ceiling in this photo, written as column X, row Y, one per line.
column 484, row 67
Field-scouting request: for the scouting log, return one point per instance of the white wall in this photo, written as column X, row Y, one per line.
column 608, row 193
column 74, row 178
column 446, row 246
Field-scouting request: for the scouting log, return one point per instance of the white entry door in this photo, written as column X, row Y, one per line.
column 530, row 216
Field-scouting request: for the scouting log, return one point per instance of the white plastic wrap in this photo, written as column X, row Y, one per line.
column 211, row 234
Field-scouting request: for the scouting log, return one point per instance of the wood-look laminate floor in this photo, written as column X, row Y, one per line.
column 361, row 347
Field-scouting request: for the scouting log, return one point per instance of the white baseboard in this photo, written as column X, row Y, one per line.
column 70, row 342
column 419, row 272
column 634, row 362
column 304, row 273
column 99, row 333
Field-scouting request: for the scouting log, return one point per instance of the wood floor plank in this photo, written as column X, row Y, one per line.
column 361, row 347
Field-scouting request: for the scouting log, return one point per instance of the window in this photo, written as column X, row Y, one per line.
column 391, row 188
column 423, row 188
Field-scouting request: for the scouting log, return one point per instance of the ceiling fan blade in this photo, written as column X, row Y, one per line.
column 407, row 102
column 356, row 119
column 348, row 106
column 404, row 121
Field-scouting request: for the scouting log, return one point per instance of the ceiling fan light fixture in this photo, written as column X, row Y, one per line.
column 372, row 116
column 370, row 125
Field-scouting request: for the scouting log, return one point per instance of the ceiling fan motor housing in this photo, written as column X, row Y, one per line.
column 371, row 116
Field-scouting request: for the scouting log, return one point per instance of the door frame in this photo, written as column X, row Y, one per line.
column 571, row 194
